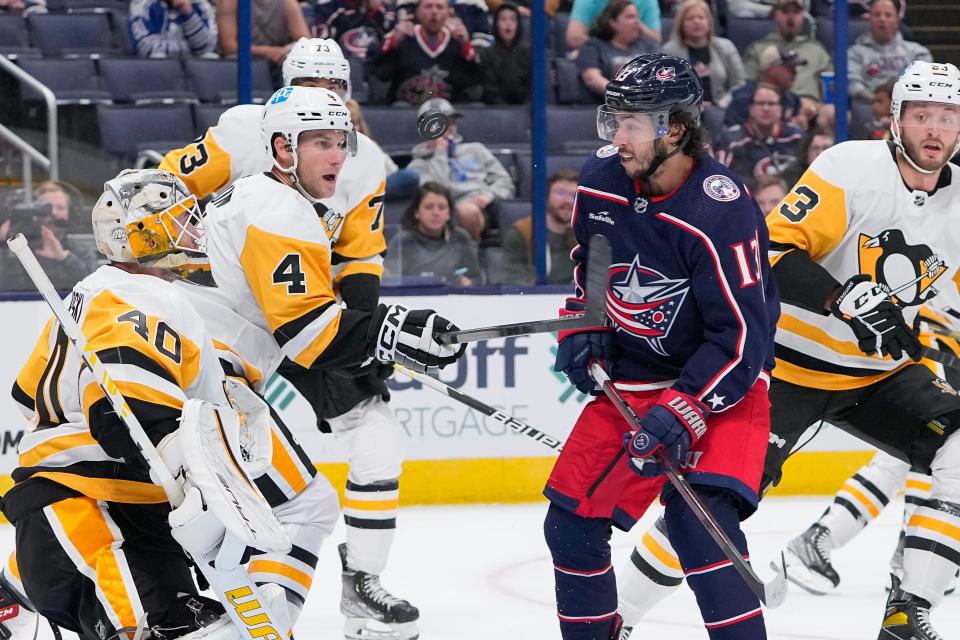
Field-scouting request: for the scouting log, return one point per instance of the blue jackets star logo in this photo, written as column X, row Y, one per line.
column 643, row 302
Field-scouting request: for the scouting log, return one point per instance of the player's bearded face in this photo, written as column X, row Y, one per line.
column 636, row 140
column 929, row 133
column 320, row 158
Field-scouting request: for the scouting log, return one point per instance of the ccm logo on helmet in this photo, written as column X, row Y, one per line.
column 665, row 74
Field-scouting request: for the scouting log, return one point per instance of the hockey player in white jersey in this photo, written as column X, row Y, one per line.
column 865, row 238
column 96, row 553
column 355, row 409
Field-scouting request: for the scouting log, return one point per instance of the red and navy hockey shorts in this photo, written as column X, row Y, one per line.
column 593, row 479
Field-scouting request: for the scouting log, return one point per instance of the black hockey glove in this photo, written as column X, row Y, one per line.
column 876, row 321
column 409, row 338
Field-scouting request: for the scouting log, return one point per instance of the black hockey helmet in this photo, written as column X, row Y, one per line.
column 656, row 82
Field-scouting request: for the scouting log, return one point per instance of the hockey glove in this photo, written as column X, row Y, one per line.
column 409, row 338
column 580, row 348
column 876, row 321
column 674, row 424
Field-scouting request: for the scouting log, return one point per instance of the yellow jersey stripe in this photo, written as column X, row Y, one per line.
column 109, row 490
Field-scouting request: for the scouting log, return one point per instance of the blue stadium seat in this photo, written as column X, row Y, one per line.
column 744, row 31
column 570, row 90
column 512, row 211
column 206, row 115
column 16, row 53
column 571, row 128
column 13, row 31
column 72, row 80
column 125, row 131
column 666, row 26
column 393, row 212
column 215, row 80
column 394, row 128
column 145, row 80
column 554, row 163
column 57, row 34
column 558, row 33
column 855, row 28
column 496, row 126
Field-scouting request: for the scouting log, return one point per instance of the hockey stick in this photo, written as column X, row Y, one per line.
column 234, row 588
column 596, row 297
column 770, row 593
column 501, row 417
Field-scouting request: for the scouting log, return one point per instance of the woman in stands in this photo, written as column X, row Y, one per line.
column 507, row 64
column 616, row 38
column 429, row 245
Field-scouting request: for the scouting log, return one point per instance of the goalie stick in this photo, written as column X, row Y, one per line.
column 233, row 587
column 770, row 593
column 594, row 316
column 501, row 417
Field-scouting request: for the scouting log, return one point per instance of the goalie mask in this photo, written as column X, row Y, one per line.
column 925, row 82
column 149, row 217
column 318, row 58
column 293, row 110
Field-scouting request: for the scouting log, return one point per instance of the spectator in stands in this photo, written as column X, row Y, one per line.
column 358, row 26
column 518, row 249
column 431, row 58
column 765, row 144
column 277, row 25
column 855, row 8
column 586, row 12
column 430, row 245
column 507, row 65
column 815, row 142
column 617, row 37
column 401, row 183
column 778, row 67
column 789, row 17
column 523, row 6
column 880, row 54
column 172, row 28
column 25, row 7
column 879, row 127
column 475, row 177
column 45, row 224
column 769, row 191
column 715, row 59
column 474, row 14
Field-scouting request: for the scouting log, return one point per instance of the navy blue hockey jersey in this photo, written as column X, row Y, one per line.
column 690, row 292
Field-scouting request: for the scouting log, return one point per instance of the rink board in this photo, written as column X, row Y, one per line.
column 454, row 455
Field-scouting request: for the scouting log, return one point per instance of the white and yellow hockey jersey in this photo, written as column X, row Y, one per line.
column 157, row 350
column 853, row 214
column 273, row 264
column 232, row 149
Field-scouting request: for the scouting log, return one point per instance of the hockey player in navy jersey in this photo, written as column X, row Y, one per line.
column 692, row 313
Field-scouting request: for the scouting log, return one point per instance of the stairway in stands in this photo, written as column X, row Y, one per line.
column 936, row 25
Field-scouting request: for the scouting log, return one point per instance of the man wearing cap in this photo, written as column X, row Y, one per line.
column 788, row 16
column 881, row 54
column 778, row 67
column 475, row 177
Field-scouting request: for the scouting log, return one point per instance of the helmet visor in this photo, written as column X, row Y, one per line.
column 173, row 239
column 931, row 115
column 631, row 126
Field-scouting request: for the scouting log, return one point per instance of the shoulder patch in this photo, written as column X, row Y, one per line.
column 607, row 151
column 721, row 188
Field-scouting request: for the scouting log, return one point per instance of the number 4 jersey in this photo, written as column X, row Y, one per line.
column 852, row 213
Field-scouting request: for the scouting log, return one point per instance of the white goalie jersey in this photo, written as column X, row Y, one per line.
column 232, row 149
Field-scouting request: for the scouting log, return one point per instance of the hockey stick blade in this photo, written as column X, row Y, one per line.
column 505, row 419
column 594, row 316
column 772, row 593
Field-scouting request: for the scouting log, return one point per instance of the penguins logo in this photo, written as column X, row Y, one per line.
column 907, row 272
column 644, row 302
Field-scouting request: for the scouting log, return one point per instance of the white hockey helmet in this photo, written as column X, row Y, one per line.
column 317, row 58
column 923, row 81
column 149, row 217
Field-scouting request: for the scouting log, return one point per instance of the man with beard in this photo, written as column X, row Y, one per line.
column 864, row 239
column 518, row 247
column 880, row 54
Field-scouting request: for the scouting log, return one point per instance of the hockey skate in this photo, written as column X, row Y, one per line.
column 17, row 621
column 372, row 612
column 808, row 561
column 907, row 617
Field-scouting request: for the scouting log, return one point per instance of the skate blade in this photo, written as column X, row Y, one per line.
column 367, row 629
column 799, row 574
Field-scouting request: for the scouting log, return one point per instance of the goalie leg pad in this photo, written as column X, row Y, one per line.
column 729, row 608
column 586, row 587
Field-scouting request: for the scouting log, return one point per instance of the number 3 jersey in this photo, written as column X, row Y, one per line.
column 852, row 213
column 273, row 264
column 233, row 149
column 690, row 299
column 155, row 348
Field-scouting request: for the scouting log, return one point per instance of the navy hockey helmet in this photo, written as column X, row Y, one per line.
column 654, row 83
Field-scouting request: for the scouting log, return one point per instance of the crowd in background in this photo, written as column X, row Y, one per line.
column 766, row 107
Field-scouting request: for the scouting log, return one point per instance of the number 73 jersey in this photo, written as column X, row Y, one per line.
column 853, row 214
